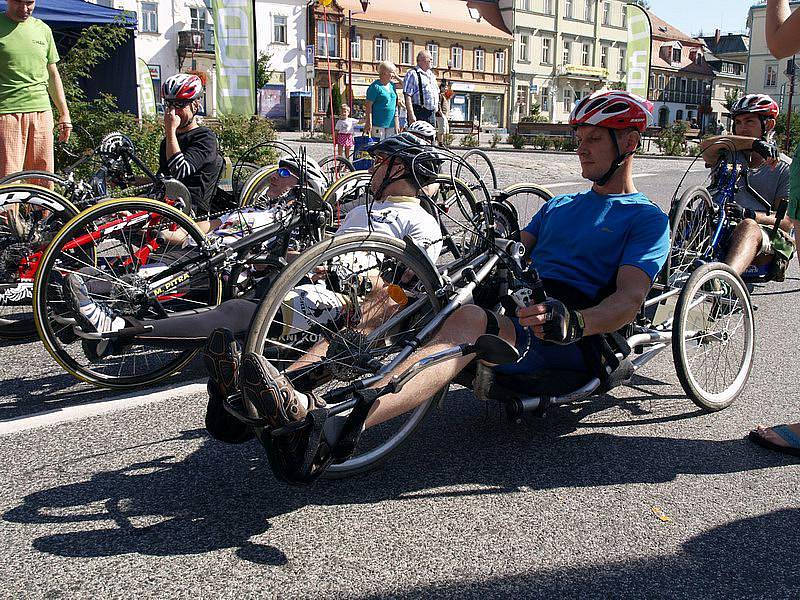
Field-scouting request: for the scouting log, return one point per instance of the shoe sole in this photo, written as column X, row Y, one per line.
column 220, row 357
column 260, row 383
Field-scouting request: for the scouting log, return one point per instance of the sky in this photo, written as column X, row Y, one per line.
column 691, row 16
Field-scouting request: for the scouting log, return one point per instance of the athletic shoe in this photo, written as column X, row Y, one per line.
column 92, row 316
column 221, row 358
column 270, row 392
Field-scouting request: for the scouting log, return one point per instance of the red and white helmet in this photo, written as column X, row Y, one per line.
column 613, row 110
column 756, row 104
column 182, row 87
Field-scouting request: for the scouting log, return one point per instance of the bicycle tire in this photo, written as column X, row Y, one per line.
column 343, row 166
column 490, row 170
column 272, row 303
column 255, row 184
column 685, row 250
column 525, row 213
column 43, row 309
column 63, row 210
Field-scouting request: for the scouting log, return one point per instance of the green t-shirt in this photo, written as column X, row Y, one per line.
column 25, row 51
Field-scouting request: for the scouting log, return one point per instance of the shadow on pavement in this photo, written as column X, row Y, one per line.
column 221, row 496
column 750, row 558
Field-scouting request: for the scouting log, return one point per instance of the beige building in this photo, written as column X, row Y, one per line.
column 727, row 56
column 563, row 51
column 766, row 74
column 470, row 44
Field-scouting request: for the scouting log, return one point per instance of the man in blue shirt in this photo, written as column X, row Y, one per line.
column 610, row 237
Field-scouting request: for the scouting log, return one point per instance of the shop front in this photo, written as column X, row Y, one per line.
column 478, row 103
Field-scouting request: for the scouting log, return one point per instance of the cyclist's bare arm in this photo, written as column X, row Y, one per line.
column 786, row 223
column 712, row 149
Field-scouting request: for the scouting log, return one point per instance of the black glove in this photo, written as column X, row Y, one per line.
column 765, row 149
column 563, row 325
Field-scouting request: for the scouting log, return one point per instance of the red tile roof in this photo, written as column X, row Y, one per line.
column 663, row 30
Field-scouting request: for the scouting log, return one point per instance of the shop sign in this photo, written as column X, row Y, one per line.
column 459, row 86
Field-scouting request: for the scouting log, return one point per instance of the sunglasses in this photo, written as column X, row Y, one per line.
column 283, row 172
column 378, row 160
column 178, row 103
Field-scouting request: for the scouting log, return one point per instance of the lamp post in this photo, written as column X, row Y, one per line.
column 350, row 30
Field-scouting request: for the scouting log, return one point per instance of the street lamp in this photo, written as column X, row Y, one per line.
column 350, row 32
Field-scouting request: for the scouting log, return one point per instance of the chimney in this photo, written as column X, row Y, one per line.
column 716, row 38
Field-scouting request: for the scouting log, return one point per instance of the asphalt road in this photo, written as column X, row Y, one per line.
column 139, row 501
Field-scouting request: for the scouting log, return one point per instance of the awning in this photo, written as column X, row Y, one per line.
column 77, row 13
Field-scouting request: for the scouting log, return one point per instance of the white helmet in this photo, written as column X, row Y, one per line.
column 423, row 130
column 182, row 86
column 313, row 173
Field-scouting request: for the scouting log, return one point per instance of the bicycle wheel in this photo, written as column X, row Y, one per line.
column 353, row 189
column 351, row 326
column 240, row 173
column 138, row 257
column 480, row 161
column 459, row 215
column 335, row 167
column 713, row 336
column 692, row 222
column 526, row 199
column 30, row 217
column 45, row 179
column 255, row 185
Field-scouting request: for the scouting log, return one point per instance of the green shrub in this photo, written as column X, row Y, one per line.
column 469, row 141
column 517, row 141
column 238, row 133
column 495, row 140
column 540, row 142
column 569, row 144
column 447, row 140
column 672, row 139
column 557, row 143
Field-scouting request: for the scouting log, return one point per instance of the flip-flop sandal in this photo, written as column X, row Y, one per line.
column 785, row 433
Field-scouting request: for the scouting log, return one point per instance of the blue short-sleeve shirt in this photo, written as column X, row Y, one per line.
column 384, row 103
column 583, row 239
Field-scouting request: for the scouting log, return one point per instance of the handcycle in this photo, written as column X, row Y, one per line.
column 397, row 301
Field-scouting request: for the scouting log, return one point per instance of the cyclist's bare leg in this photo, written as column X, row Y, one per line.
column 745, row 245
column 464, row 326
column 179, row 235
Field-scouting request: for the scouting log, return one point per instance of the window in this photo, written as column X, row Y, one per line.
column 567, row 100
column 106, row 3
column 546, row 46
column 279, row 35
column 585, row 55
column 327, row 39
column 548, row 7
column 524, row 43
column 355, row 47
column 606, row 13
column 425, row 6
column 604, row 57
column 323, row 99
column 679, row 115
column 474, row 13
column 525, row 4
column 622, row 62
column 434, row 50
column 624, row 17
column 566, row 57
column 771, row 76
column 381, row 49
column 197, row 18
column 149, row 17
column 500, row 62
column 457, row 57
column 545, row 99
column 676, row 55
column 568, row 9
column 661, row 82
column 587, row 11
column 522, row 98
column 406, row 52
column 480, row 59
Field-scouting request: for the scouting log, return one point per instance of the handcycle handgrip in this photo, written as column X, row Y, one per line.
column 780, row 213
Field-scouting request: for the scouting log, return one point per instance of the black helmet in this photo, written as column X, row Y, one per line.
column 407, row 147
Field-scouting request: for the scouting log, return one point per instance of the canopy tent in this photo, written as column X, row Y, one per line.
column 117, row 75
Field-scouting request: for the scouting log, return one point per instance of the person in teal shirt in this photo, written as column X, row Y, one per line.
column 28, row 80
column 382, row 117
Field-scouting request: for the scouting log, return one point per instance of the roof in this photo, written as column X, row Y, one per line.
column 77, row 13
column 732, row 43
column 665, row 31
column 452, row 16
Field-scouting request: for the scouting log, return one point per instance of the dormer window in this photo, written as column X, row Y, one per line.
column 425, row 6
column 676, row 54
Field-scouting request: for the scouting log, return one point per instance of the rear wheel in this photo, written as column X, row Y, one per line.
column 256, row 185
column 482, row 164
column 526, row 199
column 713, row 336
column 341, row 312
column 30, row 217
column 131, row 256
column 334, row 167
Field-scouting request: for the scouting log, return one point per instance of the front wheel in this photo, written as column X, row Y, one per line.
column 341, row 312
column 713, row 336
column 691, row 222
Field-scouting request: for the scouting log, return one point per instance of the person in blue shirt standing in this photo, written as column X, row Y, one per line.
column 382, row 117
column 598, row 253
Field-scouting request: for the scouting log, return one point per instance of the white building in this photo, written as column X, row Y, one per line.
column 766, row 74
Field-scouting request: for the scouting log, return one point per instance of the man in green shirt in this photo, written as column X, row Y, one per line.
column 28, row 80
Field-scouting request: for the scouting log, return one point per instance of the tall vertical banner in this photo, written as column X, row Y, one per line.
column 147, row 96
column 640, row 46
column 234, row 41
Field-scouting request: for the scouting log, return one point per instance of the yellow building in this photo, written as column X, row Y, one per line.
column 470, row 44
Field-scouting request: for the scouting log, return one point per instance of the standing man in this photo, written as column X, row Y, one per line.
column 421, row 90
column 381, row 109
column 28, row 74
column 443, row 114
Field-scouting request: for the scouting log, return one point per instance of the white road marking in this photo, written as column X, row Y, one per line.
column 583, row 181
column 73, row 413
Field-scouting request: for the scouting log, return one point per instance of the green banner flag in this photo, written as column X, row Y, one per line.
column 639, row 48
column 235, row 57
column 147, row 96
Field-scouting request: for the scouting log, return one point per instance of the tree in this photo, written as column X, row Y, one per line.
column 263, row 72
column 336, row 97
column 731, row 97
column 643, row 3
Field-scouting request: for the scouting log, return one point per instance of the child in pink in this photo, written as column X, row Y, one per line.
column 345, row 128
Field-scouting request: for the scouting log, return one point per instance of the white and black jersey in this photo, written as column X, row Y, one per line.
column 197, row 165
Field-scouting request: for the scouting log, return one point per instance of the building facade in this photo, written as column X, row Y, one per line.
column 469, row 42
column 680, row 78
column 766, row 74
column 563, row 51
column 727, row 57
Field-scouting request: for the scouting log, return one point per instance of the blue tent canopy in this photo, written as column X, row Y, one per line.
column 77, row 13
column 117, row 75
